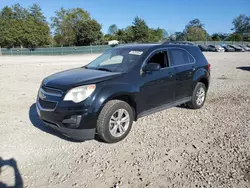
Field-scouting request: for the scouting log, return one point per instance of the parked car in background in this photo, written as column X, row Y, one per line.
column 219, row 48
column 228, row 48
column 211, row 48
column 203, row 48
column 246, row 48
column 121, row 86
column 215, row 48
column 113, row 43
column 237, row 48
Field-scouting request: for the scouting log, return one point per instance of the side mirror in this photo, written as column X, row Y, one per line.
column 151, row 67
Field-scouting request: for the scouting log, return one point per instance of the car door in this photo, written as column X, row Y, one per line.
column 157, row 87
column 184, row 66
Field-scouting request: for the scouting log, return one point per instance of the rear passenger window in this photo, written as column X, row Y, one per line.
column 180, row 57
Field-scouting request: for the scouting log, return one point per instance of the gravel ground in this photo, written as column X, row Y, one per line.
column 178, row 147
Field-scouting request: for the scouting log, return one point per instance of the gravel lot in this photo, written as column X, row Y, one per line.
column 178, row 147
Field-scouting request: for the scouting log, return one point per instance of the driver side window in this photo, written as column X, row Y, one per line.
column 159, row 58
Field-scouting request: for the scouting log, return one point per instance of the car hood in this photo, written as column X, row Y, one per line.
column 75, row 77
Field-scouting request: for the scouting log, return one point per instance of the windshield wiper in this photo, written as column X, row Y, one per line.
column 100, row 68
column 104, row 69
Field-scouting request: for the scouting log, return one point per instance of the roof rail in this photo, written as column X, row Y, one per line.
column 177, row 42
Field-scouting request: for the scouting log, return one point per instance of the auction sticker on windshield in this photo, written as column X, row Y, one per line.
column 135, row 52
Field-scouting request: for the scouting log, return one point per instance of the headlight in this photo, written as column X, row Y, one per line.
column 78, row 94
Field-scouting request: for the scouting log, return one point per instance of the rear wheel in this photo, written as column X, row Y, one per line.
column 115, row 121
column 199, row 96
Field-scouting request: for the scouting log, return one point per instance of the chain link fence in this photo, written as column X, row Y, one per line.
column 84, row 49
column 220, row 42
column 55, row 50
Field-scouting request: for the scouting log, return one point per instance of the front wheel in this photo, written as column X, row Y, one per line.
column 199, row 96
column 114, row 121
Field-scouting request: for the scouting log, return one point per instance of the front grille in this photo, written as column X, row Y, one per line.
column 47, row 104
column 52, row 91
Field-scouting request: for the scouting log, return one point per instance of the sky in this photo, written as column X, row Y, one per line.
column 171, row 15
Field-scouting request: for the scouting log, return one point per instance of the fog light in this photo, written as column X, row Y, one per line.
column 73, row 121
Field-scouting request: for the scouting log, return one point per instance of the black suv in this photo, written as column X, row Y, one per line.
column 120, row 86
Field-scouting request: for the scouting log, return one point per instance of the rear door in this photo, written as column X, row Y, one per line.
column 184, row 66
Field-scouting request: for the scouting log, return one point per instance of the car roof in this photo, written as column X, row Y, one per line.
column 154, row 46
column 137, row 46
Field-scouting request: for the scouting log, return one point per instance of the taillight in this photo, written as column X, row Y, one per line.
column 209, row 66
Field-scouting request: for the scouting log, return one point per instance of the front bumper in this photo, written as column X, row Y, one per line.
column 76, row 121
column 55, row 122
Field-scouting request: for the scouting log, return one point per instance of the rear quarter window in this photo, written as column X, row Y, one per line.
column 200, row 59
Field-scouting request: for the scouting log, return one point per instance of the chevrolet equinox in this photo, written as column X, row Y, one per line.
column 122, row 85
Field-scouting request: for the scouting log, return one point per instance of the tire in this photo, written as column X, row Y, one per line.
column 196, row 103
column 108, row 121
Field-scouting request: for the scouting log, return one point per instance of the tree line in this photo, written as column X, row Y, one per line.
column 27, row 27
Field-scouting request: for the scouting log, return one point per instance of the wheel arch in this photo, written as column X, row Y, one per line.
column 118, row 91
column 126, row 97
column 204, row 81
column 202, row 75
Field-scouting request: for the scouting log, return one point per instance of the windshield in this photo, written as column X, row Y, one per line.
column 117, row 60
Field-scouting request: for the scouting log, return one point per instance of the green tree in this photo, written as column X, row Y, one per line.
column 195, row 34
column 14, row 26
column 75, row 27
column 241, row 24
column 194, row 23
column 179, row 36
column 155, row 35
column 36, row 13
column 23, row 27
column 124, row 35
column 59, row 40
column 194, row 31
column 223, row 36
column 6, row 27
column 89, row 32
column 216, row 37
column 112, row 29
column 140, row 30
column 36, row 28
column 64, row 28
column 236, row 37
column 120, row 34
